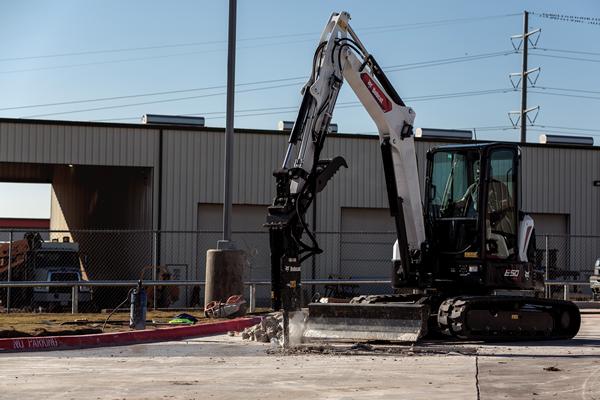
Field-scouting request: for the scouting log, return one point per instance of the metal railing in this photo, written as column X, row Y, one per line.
column 75, row 285
column 566, row 286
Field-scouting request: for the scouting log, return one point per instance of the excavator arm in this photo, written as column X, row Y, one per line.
column 341, row 56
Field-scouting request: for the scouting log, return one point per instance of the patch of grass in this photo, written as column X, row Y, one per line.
column 47, row 324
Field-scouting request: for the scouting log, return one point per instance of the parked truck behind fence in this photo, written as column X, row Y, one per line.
column 33, row 259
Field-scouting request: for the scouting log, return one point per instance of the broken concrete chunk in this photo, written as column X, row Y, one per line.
column 269, row 329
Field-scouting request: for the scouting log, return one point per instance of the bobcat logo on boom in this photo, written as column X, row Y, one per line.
column 376, row 92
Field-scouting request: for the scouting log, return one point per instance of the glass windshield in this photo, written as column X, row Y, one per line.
column 454, row 185
column 58, row 259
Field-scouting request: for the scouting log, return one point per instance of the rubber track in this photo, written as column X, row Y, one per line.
column 453, row 317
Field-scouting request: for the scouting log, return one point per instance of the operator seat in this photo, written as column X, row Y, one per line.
column 500, row 219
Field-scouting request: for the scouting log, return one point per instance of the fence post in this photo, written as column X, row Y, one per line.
column 9, row 274
column 74, row 299
column 547, row 278
column 252, row 306
column 154, row 269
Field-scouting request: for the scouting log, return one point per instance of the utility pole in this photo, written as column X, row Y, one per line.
column 225, row 264
column 228, row 184
column 524, row 79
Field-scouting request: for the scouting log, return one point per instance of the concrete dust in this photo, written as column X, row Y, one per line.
column 365, row 349
column 297, row 323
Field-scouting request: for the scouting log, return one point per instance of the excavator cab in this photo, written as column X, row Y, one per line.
column 472, row 216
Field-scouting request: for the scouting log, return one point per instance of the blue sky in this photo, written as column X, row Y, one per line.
column 117, row 48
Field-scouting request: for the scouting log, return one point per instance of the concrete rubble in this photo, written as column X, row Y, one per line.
column 270, row 329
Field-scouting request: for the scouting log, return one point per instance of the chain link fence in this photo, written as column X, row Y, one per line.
column 568, row 258
column 117, row 255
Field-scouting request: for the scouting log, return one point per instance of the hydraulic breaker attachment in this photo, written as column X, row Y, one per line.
column 389, row 322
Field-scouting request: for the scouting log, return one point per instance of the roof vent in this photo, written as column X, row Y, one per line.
column 428, row 133
column 288, row 125
column 567, row 139
column 285, row 125
column 172, row 120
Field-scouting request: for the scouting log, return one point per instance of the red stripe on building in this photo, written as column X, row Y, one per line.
column 24, row 223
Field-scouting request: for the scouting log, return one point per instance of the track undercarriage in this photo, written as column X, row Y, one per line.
column 507, row 318
column 408, row 318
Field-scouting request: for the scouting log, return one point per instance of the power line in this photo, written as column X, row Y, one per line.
column 372, row 29
column 124, row 60
column 341, row 105
column 565, row 57
column 477, row 129
column 155, row 101
column 536, row 127
column 444, row 61
column 393, row 68
column 460, row 94
column 120, row 50
column 443, row 21
column 589, row 53
column 489, row 128
column 569, row 128
column 147, row 94
column 569, row 18
column 577, row 96
column 566, row 89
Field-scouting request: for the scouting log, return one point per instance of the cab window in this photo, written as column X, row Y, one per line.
column 500, row 216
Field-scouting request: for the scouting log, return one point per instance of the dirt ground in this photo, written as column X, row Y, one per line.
column 50, row 324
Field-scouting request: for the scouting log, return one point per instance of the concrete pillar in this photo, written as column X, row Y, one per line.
column 224, row 274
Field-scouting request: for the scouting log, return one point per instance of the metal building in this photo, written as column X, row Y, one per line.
column 169, row 178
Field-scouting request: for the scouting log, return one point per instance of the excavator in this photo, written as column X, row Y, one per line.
column 463, row 263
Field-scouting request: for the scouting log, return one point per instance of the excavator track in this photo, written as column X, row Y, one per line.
column 507, row 318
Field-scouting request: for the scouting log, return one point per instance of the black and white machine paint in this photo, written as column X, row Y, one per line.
column 464, row 257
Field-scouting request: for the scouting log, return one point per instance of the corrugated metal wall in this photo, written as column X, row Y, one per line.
column 55, row 143
column 555, row 180
column 193, row 173
column 560, row 181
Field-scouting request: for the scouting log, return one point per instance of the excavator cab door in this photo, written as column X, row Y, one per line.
column 472, row 212
column 500, row 204
column 453, row 203
column 500, row 222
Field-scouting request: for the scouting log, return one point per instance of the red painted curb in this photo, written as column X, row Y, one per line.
column 71, row 342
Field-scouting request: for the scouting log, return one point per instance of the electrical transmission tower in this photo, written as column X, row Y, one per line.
column 521, row 44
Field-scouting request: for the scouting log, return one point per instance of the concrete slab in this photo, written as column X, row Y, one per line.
column 223, row 367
